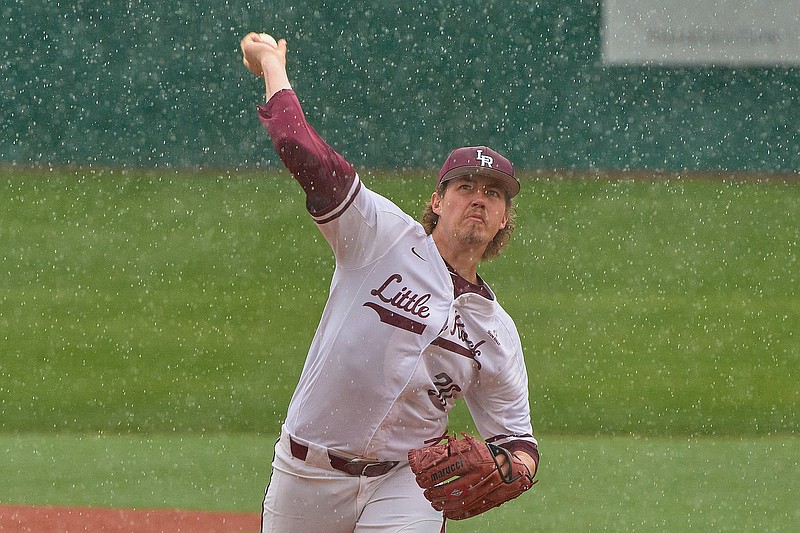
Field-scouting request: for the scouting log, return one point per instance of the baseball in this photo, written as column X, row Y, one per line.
column 267, row 38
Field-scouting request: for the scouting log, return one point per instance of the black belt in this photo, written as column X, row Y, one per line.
column 354, row 467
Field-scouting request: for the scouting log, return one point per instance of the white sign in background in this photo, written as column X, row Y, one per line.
column 701, row 32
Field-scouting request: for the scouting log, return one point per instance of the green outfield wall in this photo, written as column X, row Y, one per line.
column 390, row 84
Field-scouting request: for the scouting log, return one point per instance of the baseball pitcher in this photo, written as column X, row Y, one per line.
column 409, row 328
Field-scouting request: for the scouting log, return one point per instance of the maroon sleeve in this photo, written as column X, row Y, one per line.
column 525, row 446
column 326, row 177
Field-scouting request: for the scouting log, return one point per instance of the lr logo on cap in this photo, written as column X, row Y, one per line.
column 486, row 160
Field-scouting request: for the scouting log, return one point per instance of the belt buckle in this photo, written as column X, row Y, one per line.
column 359, row 466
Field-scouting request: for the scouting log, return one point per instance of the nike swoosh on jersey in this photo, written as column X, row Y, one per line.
column 414, row 251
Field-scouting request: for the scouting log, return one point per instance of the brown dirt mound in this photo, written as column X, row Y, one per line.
column 35, row 519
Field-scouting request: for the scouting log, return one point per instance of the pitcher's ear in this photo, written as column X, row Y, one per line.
column 436, row 203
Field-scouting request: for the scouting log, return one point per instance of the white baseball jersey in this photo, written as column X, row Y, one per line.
column 396, row 345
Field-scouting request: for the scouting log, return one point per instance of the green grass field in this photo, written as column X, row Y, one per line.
column 587, row 483
column 154, row 325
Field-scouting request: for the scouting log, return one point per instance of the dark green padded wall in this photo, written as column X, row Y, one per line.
column 390, row 84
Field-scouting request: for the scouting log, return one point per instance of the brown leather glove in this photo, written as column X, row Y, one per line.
column 462, row 478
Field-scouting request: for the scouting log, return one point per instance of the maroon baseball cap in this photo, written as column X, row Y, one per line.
column 479, row 160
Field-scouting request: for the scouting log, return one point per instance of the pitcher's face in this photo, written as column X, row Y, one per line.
column 472, row 210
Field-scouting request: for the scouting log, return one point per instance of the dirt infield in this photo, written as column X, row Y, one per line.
column 35, row 519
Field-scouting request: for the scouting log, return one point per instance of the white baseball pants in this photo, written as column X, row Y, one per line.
column 310, row 495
